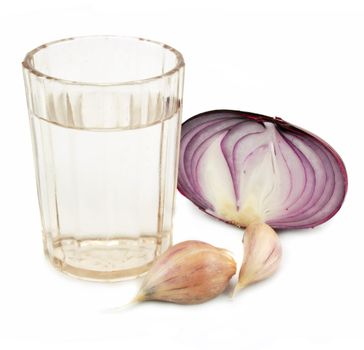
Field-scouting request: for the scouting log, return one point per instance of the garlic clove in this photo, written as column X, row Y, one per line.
column 262, row 254
column 190, row 272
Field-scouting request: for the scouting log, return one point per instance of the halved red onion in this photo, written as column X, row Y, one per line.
column 243, row 167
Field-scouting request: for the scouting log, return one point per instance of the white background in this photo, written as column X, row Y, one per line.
column 300, row 60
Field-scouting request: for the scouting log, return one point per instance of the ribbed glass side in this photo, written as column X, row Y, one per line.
column 105, row 152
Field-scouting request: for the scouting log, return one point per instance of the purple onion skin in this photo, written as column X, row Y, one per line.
column 333, row 189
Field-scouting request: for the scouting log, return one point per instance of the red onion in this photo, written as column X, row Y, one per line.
column 243, row 167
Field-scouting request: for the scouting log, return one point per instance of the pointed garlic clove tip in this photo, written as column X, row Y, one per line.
column 262, row 255
column 190, row 272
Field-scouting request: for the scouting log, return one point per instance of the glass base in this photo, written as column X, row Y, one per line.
column 108, row 260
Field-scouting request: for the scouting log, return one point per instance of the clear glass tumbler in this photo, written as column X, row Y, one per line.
column 105, row 116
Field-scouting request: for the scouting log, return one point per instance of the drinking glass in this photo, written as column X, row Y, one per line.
column 105, row 116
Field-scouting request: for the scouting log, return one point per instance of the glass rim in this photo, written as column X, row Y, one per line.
column 27, row 62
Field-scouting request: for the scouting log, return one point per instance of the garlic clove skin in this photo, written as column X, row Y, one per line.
column 262, row 254
column 190, row 272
